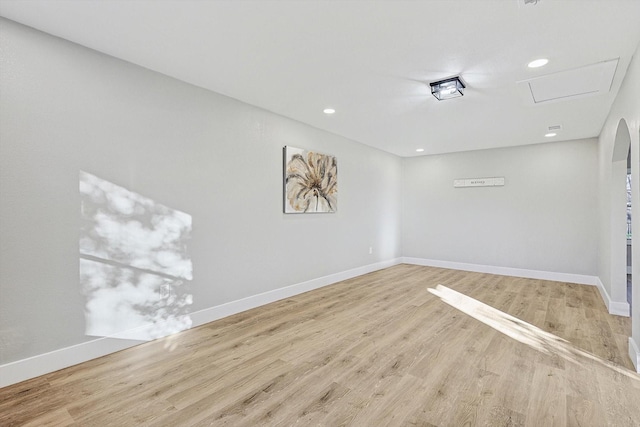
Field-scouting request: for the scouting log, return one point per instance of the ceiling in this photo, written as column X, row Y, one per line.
column 372, row 60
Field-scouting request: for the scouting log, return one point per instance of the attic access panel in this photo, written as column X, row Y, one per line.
column 590, row 80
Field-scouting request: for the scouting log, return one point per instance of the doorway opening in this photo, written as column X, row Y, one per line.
column 629, row 240
column 620, row 219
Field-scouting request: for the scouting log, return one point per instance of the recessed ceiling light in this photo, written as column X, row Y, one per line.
column 538, row 63
column 328, row 111
column 419, row 150
column 550, row 134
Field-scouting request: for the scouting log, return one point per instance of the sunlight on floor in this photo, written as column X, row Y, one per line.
column 521, row 331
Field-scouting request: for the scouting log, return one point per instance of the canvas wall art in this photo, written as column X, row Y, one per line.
column 310, row 181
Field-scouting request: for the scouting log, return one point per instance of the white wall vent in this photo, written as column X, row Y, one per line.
column 497, row 181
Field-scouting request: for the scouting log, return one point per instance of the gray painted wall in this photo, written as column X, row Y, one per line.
column 67, row 109
column 625, row 107
column 543, row 218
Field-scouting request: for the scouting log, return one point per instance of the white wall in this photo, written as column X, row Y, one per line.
column 543, row 218
column 67, row 109
column 626, row 107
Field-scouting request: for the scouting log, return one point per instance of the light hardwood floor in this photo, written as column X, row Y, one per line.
column 376, row 350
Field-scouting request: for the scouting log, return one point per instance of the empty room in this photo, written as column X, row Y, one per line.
column 319, row 213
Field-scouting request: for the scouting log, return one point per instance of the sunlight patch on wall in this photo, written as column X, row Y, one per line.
column 135, row 269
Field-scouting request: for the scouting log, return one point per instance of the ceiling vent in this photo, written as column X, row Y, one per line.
column 590, row 80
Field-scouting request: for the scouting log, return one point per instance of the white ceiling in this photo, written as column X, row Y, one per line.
column 370, row 60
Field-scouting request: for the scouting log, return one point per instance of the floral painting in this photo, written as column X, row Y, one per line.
column 310, row 181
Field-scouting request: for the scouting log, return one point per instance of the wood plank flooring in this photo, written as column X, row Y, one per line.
column 376, row 350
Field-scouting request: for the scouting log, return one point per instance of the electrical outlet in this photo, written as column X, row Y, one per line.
column 370, row 250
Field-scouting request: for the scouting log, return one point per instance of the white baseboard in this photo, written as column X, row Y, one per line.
column 634, row 353
column 506, row 271
column 218, row 312
column 618, row 308
column 21, row 370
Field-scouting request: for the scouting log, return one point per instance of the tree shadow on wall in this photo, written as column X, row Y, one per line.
column 135, row 269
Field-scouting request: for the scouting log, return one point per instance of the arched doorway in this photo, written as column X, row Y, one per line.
column 629, row 234
column 634, row 340
column 618, row 206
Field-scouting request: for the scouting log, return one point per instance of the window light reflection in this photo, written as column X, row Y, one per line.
column 135, row 270
column 521, row 331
